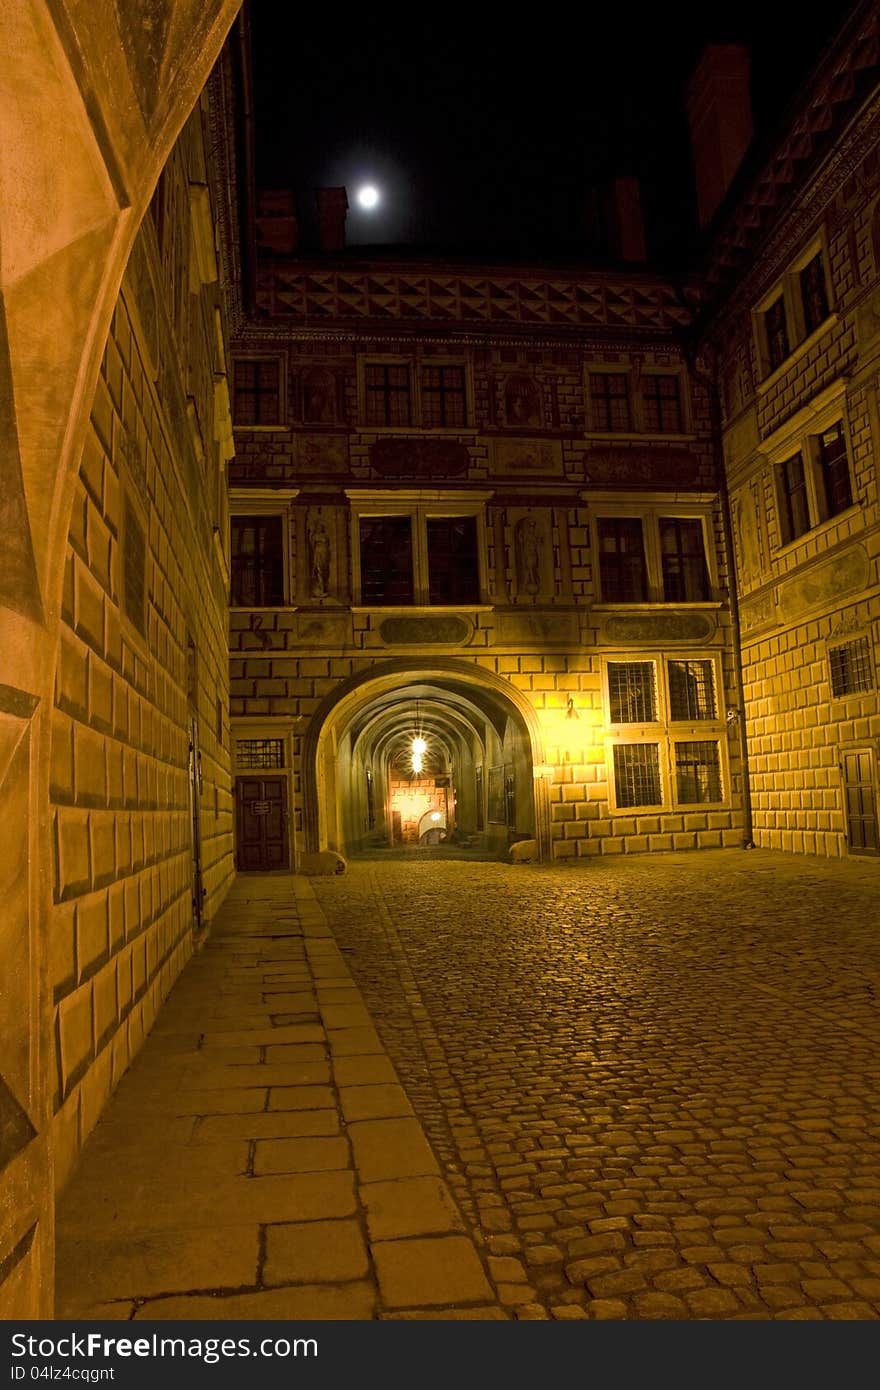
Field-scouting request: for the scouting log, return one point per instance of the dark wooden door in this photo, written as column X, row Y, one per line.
column 262, row 840
column 860, row 795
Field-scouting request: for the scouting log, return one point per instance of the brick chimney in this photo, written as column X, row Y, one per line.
column 626, row 229
column 720, row 117
column 277, row 227
column 332, row 208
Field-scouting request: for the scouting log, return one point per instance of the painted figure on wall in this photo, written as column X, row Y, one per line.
column 319, row 552
column 528, row 555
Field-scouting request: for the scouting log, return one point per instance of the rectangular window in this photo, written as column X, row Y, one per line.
column 622, row 568
column 257, row 562
column 698, row 772
column 386, row 560
column 661, row 402
column 444, row 397
column 776, row 332
column 850, row 666
column 255, row 393
column 259, row 752
column 632, row 692
column 453, row 560
column 637, row 774
column 814, row 294
column 609, row 395
column 387, row 394
column 795, row 507
column 834, row 471
column 683, row 561
column 691, row 690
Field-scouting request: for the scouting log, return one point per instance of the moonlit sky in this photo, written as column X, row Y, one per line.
column 481, row 135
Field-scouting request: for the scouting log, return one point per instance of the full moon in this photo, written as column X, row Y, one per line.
column 368, row 196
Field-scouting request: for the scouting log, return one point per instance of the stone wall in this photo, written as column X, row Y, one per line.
column 141, row 691
column 548, row 636
column 803, row 597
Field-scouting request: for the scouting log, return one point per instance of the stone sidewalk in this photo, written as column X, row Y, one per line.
column 260, row 1158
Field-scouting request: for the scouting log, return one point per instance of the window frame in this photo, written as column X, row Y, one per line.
column 262, row 502
column 605, row 369
column 665, row 731
column 842, row 641
column 279, row 360
column 684, row 417
column 460, row 364
column 418, row 504
column 802, row 435
column 788, row 289
column 415, row 368
column 654, row 508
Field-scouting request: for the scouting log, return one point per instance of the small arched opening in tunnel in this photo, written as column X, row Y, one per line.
column 413, row 758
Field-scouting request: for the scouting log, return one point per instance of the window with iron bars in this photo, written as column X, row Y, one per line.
column 637, row 774
column 632, row 693
column 698, row 771
column 259, row 752
column 691, row 690
column 851, row 667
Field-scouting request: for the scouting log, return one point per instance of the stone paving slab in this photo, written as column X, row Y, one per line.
column 652, row 1085
column 221, row 1181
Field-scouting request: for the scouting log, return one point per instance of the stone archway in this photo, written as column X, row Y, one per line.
column 479, row 718
column 93, row 97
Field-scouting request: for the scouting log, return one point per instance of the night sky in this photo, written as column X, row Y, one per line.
column 482, row 135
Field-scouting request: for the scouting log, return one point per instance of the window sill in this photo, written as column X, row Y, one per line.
column 710, row 605
column 815, row 531
column 638, row 436
column 255, row 608
column 261, row 429
column 446, row 431
column 795, row 355
column 429, row 609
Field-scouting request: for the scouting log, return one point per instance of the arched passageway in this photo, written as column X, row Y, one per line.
column 408, row 755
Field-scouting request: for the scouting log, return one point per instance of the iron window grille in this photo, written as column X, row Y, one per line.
column 632, row 692
column 851, row 667
column 609, row 395
column 691, row 690
column 661, row 404
column 259, row 752
column 637, row 774
column 698, row 772
column 256, row 393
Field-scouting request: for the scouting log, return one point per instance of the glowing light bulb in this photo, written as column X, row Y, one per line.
column 419, row 745
column 368, row 196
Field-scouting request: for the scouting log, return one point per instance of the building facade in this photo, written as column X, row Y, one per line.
column 792, row 330
column 478, row 506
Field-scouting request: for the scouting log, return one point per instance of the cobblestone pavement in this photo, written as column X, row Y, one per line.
column 653, row 1085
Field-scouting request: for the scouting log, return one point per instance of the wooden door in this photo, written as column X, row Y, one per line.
column 860, row 797
column 262, row 840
